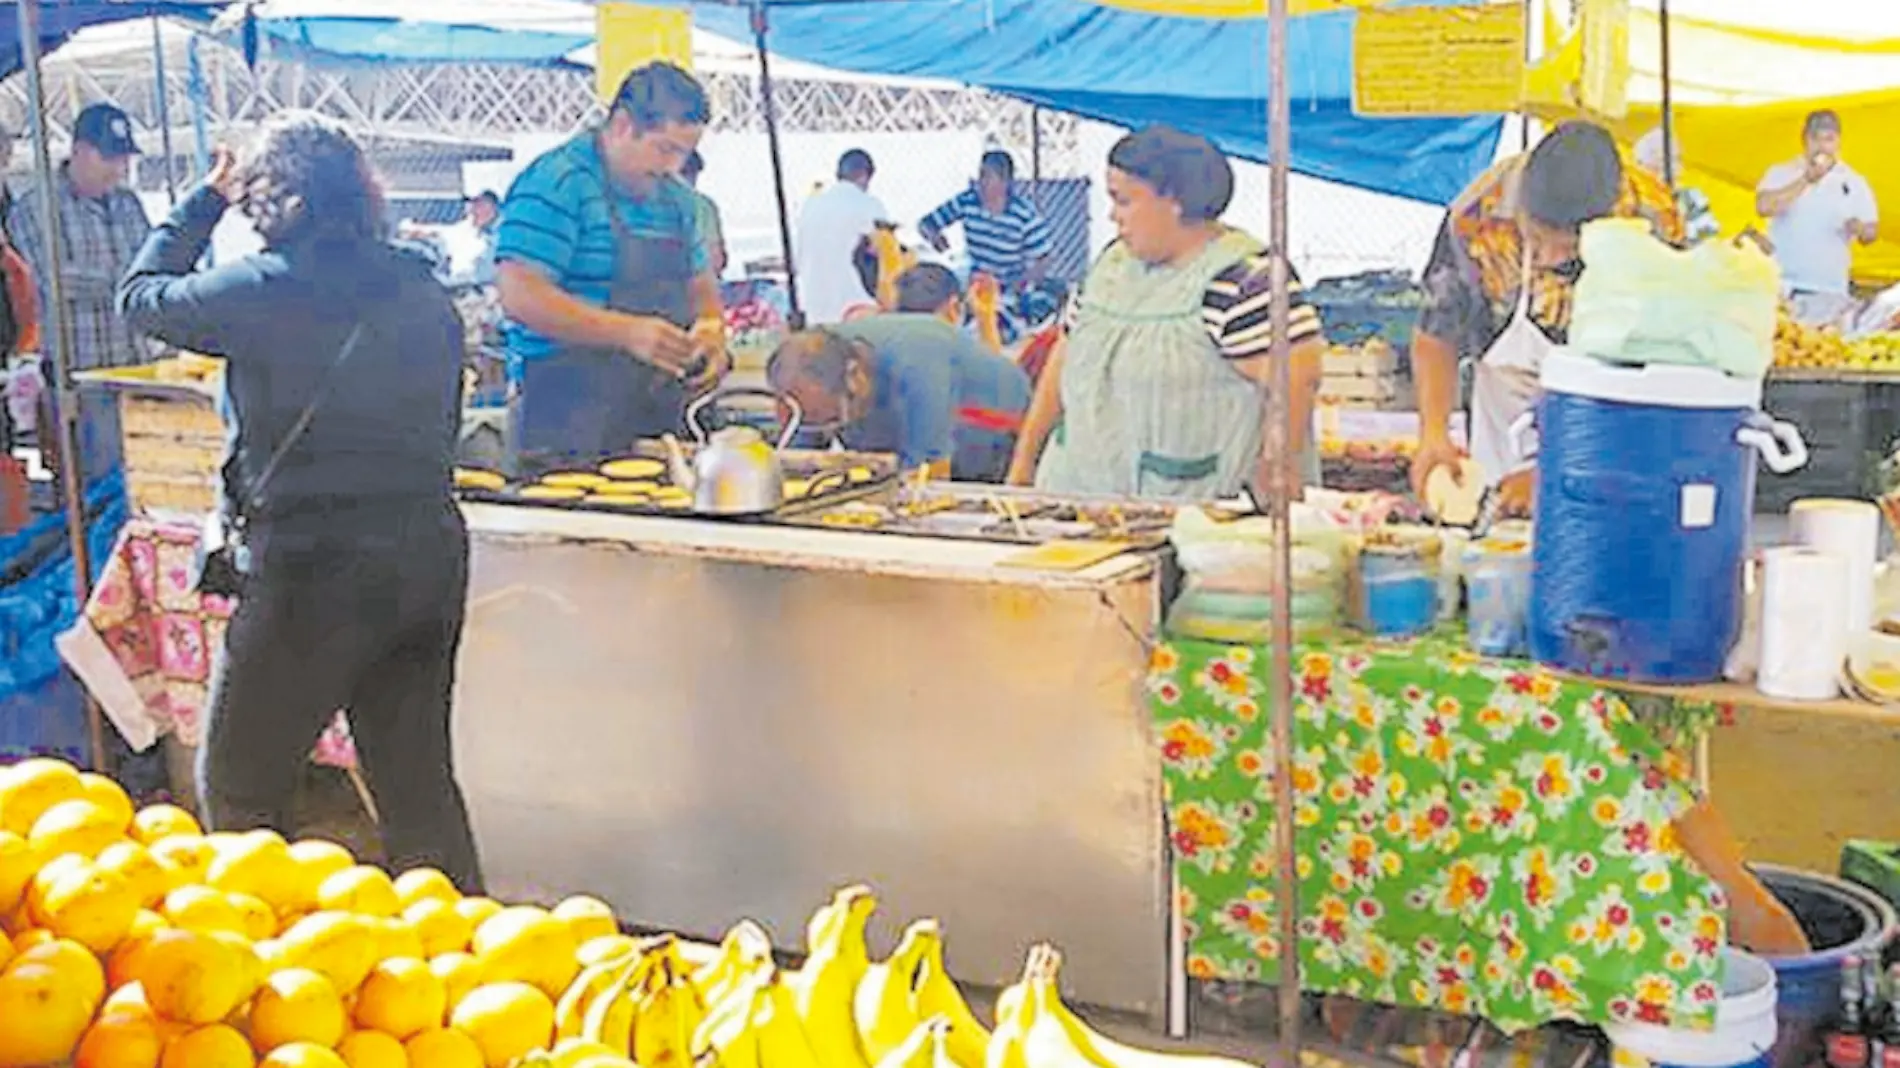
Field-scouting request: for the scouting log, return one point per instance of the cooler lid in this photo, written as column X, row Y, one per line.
column 1660, row 384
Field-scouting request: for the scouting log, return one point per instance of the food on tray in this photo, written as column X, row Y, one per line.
column 552, row 493
column 861, row 474
column 619, row 500
column 855, row 516
column 633, row 469
column 471, row 478
column 640, row 487
column 797, row 487
column 187, row 367
column 575, row 479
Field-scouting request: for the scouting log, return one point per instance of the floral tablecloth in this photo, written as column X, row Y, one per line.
column 1473, row 836
column 144, row 645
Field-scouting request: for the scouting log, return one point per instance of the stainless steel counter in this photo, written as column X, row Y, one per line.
column 701, row 722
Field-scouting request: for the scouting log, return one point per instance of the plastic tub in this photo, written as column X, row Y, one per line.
column 1743, row 1036
column 1841, row 920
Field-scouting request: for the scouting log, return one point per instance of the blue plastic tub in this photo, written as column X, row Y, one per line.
column 1841, row 919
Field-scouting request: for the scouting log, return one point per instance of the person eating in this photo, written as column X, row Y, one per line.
column 607, row 280
column 909, row 382
column 1156, row 389
column 1818, row 208
column 1498, row 291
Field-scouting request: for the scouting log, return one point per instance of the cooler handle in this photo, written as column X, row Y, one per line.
column 1522, row 434
column 1779, row 443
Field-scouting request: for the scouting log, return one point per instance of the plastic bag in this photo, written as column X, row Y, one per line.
column 1229, row 575
column 1641, row 301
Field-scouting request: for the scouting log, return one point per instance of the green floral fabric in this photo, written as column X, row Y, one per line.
column 1473, row 836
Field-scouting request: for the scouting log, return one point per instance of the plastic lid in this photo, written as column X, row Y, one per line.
column 1658, row 384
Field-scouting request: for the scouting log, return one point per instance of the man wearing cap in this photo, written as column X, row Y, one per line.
column 472, row 256
column 102, row 226
column 1818, row 208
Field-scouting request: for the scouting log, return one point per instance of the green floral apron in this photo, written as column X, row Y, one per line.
column 1150, row 408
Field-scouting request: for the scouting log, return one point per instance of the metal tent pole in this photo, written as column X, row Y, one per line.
column 1668, row 100
column 1286, row 468
column 164, row 108
column 778, row 161
column 59, row 323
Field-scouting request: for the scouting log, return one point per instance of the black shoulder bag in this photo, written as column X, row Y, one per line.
column 222, row 559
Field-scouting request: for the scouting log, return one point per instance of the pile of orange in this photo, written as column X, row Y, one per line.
column 135, row 940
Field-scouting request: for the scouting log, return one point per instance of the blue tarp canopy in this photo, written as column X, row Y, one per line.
column 60, row 19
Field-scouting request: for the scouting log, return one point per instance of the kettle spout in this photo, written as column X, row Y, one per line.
column 680, row 471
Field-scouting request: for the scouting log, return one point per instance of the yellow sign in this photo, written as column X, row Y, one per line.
column 630, row 36
column 1236, row 9
column 1418, row 61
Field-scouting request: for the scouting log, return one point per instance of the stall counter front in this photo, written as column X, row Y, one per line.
column 700, row 721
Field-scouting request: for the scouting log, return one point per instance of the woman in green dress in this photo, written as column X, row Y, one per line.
column 1155, row 390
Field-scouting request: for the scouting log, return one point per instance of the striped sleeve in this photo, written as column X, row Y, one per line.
column 950, row 211
column 541, row 220
column 1238, row 310
column 1037, row 243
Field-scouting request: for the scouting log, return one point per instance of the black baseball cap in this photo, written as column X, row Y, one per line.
column 107, row 129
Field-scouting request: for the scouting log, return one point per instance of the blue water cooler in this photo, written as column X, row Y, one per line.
column 1645, row 491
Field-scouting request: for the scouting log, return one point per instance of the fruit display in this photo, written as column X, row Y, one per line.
column 132, row 939
column 1822, row 348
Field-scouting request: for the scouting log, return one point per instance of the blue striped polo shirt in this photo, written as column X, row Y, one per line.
column 1002, row 244
column 555, row 220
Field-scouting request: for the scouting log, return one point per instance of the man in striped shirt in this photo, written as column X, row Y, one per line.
column 1005, row 234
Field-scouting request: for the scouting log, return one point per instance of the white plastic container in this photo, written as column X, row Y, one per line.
column 1744, row 1033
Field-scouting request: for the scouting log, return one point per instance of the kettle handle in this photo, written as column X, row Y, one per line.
column 699, row 406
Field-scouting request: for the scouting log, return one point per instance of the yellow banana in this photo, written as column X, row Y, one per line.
column 726, row 1037
column 669, row 1011
column 884, row 1008
column 570, row 1053
column 1058, row 1038
column 744, row 946
column 610, row 1014
column 782, row 1039
column 923, row 1049
column 1015, row 1012
column 937, row 995
column 824, row 988
column 570, row 1013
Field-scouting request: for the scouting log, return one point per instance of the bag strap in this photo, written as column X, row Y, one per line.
column 302, row 424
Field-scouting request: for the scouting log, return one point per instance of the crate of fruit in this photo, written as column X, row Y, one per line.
column 172, row 434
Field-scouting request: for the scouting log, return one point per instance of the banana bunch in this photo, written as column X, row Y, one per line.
column 1874, row 352
column 1034, row 1029
column 634, row 1004
column 927, row 1047
column 836, row 961
column 900, row 994
column 755, row 1025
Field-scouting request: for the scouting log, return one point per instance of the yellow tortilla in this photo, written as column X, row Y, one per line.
column 574, row 479
column 475, row 479
column 637, row 486
column 552, row 493
column 620, row 500
column 861, row 474
column 797, row 487
column 633, row 468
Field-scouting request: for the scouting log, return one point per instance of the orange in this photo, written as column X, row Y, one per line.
column 371, row 1049
column 70, row 959
column 425, row 884
column 136, row 865
column 459, row 973
column 362, row 889
column 156, row 822
column 44, row 1011
column 316, row 861
column 88, row 905
column 121, row 1040
column 402, row 998
column 30, row 787
column 341, row 946
column 192, row 977
column 257, row 863
column 395, row 938
column 120, row 963
column 77, row 826
column 210, row 1046
column 443, row 1048
column 17, row 864
column 302, row 1055
column 297, row 1005
column 506, row 1020
column 128, row 1000
column 529, row 945
column 30, row 937
column 477, row 910
column 259, row 921
column 439, row 926
column 587, row 917
column 200, row 908
column 108, row 795
column 185, row 858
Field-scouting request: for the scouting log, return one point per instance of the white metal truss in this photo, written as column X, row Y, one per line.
column 491, row 106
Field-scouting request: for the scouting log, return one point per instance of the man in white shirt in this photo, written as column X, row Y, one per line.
column 834, row 221
column 1817, row 207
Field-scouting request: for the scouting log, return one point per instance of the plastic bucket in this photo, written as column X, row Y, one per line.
column 1743, row 1036
column 1841, row 920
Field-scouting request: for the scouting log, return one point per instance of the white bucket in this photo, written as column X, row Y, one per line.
column 1744, row 1034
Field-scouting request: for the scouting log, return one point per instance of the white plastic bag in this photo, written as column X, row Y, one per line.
column 1641, row 301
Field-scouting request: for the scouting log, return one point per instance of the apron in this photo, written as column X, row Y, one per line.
column 579, row 406
column 1504, row 385
column 1149, row 406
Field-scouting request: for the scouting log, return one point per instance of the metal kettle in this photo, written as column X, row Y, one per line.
column 735, row 471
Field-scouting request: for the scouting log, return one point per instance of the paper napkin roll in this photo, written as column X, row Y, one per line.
column 1803, row 629
column 1850, row 529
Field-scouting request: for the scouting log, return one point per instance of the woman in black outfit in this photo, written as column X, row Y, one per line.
column 354, row 561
